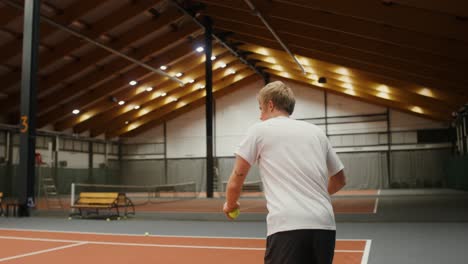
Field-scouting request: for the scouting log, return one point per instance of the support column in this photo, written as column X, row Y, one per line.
column 389, row 149
column 209, row 108
column 25, row 183
column 166, row 180
column 91, row 161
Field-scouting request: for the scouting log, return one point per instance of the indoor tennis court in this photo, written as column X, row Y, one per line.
column 121, row 123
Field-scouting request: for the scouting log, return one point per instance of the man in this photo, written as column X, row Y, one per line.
column 299, row 171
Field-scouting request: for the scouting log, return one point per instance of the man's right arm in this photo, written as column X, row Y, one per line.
column 336, row 182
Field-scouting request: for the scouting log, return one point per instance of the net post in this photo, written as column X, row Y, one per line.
column 72, row 197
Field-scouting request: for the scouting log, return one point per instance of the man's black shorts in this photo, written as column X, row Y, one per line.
column 305, row 246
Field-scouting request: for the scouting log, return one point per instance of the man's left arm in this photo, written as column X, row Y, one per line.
column 234, row 186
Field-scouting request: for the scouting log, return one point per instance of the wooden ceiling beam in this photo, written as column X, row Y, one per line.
column 61, row 111
column 198, row 103
column 455, row 75
column 440, row 25
column 440, row 115
column 102, row 111
column 154, row 102
column 323, row 35
column 372, row 88
column 407, row 91
column 148, row 120
column 119, row 67
column 8, row 14
column 453, row 7
column 13, row 47
column 71, row 44
column 443, row 83
column 393, row 94
column 338, row 72
column 90, row 60
column 372, row 31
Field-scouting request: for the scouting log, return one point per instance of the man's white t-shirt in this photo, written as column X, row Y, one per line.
column 295, row 160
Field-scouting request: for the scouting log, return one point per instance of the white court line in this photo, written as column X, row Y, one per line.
column 79, row 242
column 376, row 205
column 42, row 251
column 138, row 235
column 365, row 256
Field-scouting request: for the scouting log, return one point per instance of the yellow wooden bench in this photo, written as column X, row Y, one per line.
column 92, row 202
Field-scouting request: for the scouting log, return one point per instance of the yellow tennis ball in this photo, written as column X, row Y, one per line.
column 234, row 214
column 108, row 219
column 146, row 234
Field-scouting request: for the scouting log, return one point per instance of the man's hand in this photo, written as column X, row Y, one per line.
column 227, row 209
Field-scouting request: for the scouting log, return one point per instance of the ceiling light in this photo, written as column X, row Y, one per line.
column 426, row 92
column 417, row 109
column 76, row 111
column 133, row 83
column 163, row 67
column 174, row 99
column 127, row 122
column 201, row 86
column 213, row 57
column 200, row 49
column 383, row 95
column 231, row 71
column 136, row 107
column 223, row 65
column 179, row 74
column 350, row 92
column 121, row 102
column 149, row 89
column 163, row 94
column 383, row 89
column 191, row 81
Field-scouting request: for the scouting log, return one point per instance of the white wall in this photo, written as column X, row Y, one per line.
column 186, row 135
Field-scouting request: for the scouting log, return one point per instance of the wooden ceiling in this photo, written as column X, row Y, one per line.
column 409, row 55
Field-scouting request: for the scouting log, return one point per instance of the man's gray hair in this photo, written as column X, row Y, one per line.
column 280, row 94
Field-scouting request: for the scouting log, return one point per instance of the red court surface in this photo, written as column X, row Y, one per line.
column 52, row 247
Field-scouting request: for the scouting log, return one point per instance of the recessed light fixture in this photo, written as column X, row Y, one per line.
column 201, row 86
column 121, row 102
column 322, row 80
column 127, row 122
column 133, row 83
column 174, row 99
column 191, row 81
column 200, row 49
column 76, row 111
column 163, row 67
column 213, row 57
column 149, row 89
column 223, row 65
column 179, row 74
column 136, row 107
column 163, row 94
column 231, row 71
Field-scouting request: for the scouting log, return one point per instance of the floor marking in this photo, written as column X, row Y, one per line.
column 43, row 251
column 365, row 257
column 143, row 235
column 80, row 242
